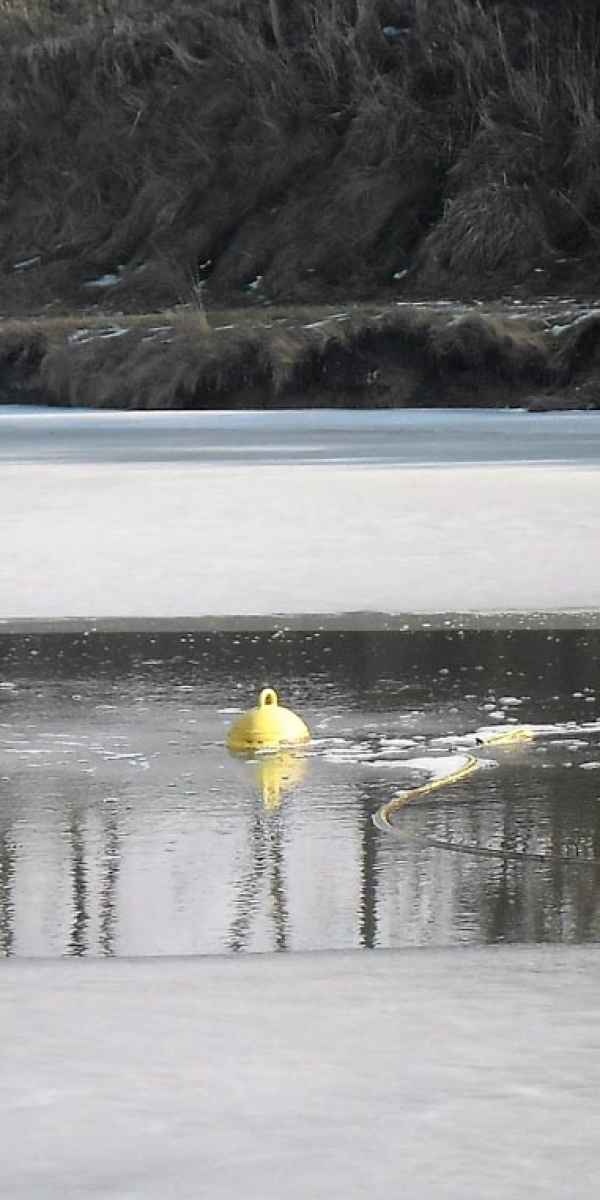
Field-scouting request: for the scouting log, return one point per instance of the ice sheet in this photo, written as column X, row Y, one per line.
column 449, row 1074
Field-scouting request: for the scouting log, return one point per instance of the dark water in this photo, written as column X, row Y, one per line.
column 127, row 828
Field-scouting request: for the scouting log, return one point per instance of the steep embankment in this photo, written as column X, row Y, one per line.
column 158, row 156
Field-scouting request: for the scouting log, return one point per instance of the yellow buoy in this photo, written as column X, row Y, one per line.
column 267, row 726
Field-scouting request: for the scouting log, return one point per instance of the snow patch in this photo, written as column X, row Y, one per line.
column 103, row 281
column 25, row 263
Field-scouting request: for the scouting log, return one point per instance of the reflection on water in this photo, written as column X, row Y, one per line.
column 265, row 867
column 276, row 774
column 127, row 828
column 6, row 876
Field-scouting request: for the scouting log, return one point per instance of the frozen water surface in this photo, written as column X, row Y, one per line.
column 453, row 1075
column 154, row 515
column 399, row 437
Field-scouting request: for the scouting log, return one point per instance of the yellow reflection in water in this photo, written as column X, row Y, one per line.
column 277, row 774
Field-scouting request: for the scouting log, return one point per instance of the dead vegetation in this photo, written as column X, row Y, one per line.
column 280, row 150
column 363, row 358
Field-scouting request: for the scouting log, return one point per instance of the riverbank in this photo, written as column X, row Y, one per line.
column 272, row 204
column 543, row 355
column 296, row 153
column 448, row 1073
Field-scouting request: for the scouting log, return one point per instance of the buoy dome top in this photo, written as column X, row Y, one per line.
column 267, row 726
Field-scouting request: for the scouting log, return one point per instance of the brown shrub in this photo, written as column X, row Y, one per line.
column 491, row 233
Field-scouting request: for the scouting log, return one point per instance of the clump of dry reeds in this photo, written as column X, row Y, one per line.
column 491, row 234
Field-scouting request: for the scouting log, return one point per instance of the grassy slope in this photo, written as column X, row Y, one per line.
column 198, row 155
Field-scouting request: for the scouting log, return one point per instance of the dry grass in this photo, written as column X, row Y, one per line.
column 195, row 150
column 311, row 357
column 493, row 233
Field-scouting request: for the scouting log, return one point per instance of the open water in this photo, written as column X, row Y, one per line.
column 126, row 827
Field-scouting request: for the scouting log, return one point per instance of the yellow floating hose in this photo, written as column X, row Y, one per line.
column 504, row 737
column 403, row 798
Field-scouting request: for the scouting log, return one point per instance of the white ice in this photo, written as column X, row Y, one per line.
column 255, row 527
column 436, row 1075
